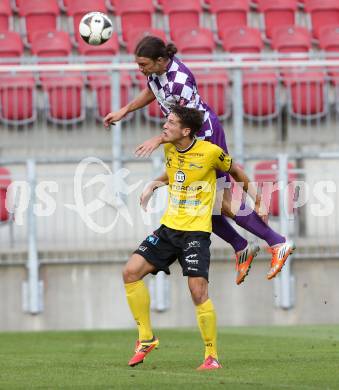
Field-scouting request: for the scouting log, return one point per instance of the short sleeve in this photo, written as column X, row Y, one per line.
column 221, row 160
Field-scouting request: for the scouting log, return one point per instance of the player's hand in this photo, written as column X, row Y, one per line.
column 261, row 210
column 148, row 147
column 146, row 196
column 113, row 117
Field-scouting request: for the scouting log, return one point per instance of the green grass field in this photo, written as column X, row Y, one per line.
column 252, row 358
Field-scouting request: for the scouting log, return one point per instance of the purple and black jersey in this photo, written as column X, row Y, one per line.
column 177, row 86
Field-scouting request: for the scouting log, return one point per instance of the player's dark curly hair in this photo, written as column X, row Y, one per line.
column 189, row 117
column 154, row 47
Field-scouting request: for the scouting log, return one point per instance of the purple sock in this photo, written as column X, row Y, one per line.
column 223, row 229
column 254, row 224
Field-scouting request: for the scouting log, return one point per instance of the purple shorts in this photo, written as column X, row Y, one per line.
column 218, row 138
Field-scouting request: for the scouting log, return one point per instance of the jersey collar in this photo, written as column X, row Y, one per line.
column 189, row 148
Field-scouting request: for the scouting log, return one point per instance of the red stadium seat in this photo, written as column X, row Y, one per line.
column 64, row 99
column 76, row 9
column 101, row 88
column 11, row 45
column 132, row 14
column 6, row 20
column 196, row 41
column 51, row 44
column 291, row 39
column 276, row 14
column 214, row 90
column 260, row 95
column 322, row 13
column 242, row 40
column 329, row 38
column 329, row 42
column 307, row 94
column 182, row 15
column 17, row 100
column 133, row 36
column 228, row 14
column 38, row 15
column 270, row 176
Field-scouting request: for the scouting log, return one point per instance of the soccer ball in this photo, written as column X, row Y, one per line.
column 95, row 28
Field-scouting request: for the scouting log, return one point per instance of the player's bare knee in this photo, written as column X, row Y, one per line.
column 130, row 273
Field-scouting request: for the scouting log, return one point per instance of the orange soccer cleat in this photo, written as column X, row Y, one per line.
column 280, row 253
column 210, row 363
column 142, row 348
column 244, row 260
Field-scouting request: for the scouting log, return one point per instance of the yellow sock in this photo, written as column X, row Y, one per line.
column 139, row 302
column 207, row 321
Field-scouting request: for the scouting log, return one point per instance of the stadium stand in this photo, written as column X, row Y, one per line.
column 329, row 42
column 307, row 94
column 132, row 15
column 228, row 14
column 196, row 41
column 260, row 95
column 38, row 15
column 101, row 88
column 64, row 99
column 76, row 9
column 6, row 19
column 51, row 44
column 11, row 45
column 182, row 15
column 17, row 98
column 275, row 14
column 214, row 89
column 322, row 13
column 291, row 39
column 267, row 172
column 242, row 40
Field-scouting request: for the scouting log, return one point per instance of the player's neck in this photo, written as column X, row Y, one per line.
column 184, row 144
column 164, row 68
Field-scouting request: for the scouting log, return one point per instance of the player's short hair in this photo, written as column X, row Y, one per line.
column 189, row 117
column 154, row 47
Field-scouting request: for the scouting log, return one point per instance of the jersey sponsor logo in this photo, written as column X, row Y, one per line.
column 194, row 255
column 179, row 177
column 195, row 166
column 192, row 269
column 186, row 188
column 222, row 156
column 168, row 162
column 192, row 244
column 142, row 248
column 191, row 259
column 152, row 239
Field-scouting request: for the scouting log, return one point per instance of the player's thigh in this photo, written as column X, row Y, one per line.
column 199, row 289
column 195, row 254
column 136, row 268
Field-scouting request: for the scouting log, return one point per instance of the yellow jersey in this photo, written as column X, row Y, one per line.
column 192, row 185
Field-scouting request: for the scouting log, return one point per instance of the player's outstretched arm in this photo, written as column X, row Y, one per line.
column 150, row 188
column 240, row 176
column 145, row 97
column 149, row 146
